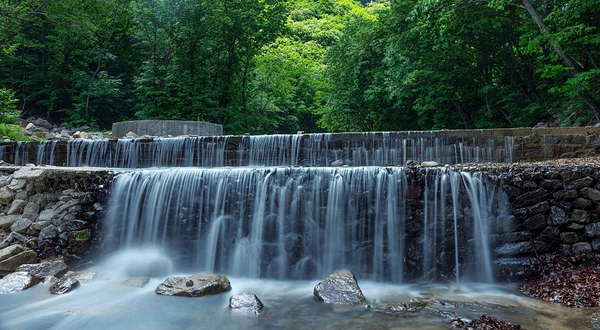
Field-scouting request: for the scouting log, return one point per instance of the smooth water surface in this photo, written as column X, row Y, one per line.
column 107, row 304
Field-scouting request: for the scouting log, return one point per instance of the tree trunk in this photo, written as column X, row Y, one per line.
column 589, row 101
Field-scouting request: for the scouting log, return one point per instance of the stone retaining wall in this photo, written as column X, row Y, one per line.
column 499, row 145
column 49, row 213
column 556, row 208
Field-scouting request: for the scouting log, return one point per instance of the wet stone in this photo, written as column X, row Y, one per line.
column 64, row 285
column 246, row 302
column 202, row 284
column 45, row 269
column 17, row 281
column 557, row 216
column 341, row 288
column 521, row 248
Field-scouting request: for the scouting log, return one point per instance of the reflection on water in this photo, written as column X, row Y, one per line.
column 288, row 305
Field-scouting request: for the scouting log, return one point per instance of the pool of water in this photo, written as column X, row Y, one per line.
column 107, row 304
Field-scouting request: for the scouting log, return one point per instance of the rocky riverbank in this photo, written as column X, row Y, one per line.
column 49, row 212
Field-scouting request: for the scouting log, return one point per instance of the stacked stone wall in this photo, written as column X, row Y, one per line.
column 49, row 213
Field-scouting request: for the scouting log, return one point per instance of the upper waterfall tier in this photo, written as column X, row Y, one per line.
column 353, row 149
column 391, row 224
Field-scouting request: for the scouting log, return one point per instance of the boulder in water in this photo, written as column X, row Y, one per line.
column 45, row 269
column 337, row 163
column 17, row 281
column 246, row 302
column 64, row 285
column 137, row 282
column 340, row 288
column 198, row 285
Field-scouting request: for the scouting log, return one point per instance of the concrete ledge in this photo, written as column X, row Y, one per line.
column 166, row 127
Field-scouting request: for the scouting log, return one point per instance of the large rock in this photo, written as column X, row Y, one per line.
column 246, row 302
column 64, row 285
column 339, row 288
column 15, row 282
column 198, row 285
column 45, row 269
column 521, row 248
column 11, row 264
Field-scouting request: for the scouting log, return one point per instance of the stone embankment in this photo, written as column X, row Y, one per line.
column 556, row 209
column 49, row 212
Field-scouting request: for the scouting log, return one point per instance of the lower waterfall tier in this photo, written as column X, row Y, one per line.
column 391, row 224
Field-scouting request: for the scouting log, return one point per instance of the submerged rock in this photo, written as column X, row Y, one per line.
column 45, row 269
column 17, row 281
column 88, row 275
column 137, row 282
column 341, row 288
column 198, row 285
column 64, row 285
column 246, row 302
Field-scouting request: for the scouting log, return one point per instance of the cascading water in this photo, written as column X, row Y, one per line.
column 365, row 149
column 389, row 224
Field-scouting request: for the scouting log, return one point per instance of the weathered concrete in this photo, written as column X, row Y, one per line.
column 165, row 128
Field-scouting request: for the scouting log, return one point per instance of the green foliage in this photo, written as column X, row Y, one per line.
column 272, row 66
column 8, row 109
column 13, row 132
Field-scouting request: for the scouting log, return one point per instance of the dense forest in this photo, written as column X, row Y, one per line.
column 275, row 66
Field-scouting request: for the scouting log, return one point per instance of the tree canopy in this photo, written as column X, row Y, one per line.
column 273, row 66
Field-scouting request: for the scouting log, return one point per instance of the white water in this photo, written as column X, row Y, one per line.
column 364, row 149
column 304, row 223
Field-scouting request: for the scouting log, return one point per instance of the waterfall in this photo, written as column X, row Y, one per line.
column 390, row 224
column 354, row 149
